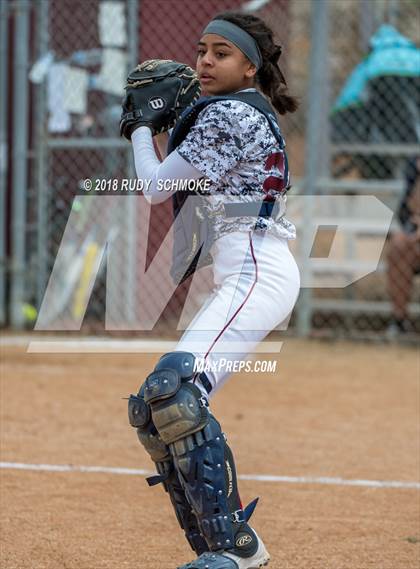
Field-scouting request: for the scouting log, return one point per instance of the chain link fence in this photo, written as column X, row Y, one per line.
column 353, row 136
column 373, row 134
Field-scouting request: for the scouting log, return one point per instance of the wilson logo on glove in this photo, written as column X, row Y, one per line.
column 156, row 94
column 157, row 103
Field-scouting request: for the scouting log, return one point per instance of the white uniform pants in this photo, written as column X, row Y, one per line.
column 257, row 285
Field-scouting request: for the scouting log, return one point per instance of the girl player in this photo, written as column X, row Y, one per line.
column 234, row 142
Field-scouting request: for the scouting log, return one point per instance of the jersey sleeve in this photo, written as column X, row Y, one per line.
column 153, row 173
column 213, row 145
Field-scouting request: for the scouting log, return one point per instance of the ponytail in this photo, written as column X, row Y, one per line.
column 270, row 77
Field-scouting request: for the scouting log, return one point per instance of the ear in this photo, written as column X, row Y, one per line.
column 251, row 71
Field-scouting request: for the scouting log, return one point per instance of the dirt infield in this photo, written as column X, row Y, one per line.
column 330, row 410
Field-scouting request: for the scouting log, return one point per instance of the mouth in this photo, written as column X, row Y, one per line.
column 205, row 78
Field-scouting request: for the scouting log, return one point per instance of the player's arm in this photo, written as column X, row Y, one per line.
column 157, row 92
column 153, row 172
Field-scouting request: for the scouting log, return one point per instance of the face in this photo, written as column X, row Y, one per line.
column 222, row 67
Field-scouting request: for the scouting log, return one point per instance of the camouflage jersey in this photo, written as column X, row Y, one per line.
column 230, row 143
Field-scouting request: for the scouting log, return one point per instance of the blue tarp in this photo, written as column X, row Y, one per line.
column 392, row 54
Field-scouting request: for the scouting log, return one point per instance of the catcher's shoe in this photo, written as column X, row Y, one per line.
column 227, row 560
column 260, row 558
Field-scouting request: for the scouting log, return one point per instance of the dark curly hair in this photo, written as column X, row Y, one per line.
column 269, row 76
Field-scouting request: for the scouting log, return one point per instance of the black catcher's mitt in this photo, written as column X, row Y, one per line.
column 157, row 92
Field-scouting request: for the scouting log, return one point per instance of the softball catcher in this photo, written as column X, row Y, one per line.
column 232, row 138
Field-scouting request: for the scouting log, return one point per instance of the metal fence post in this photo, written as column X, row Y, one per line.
column 4, row 39
column 315, row 151
column 19, row 162
column 366, row 23
column 132, row 201
column 41, row 157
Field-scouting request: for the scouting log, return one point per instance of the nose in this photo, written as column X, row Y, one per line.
column 207, row 59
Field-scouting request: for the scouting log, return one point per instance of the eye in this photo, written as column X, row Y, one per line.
column 200, row 52
column 221, row 54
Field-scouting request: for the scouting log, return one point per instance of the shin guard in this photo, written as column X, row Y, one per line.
column 140, row 418
column 207, row 472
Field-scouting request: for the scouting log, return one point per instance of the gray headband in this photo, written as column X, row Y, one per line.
column 242, row 39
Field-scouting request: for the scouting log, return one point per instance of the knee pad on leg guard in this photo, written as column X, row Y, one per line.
column 140, row 418
column 169, row 417
column 177, row 405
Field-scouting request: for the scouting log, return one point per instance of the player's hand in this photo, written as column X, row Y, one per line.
column 157, row 92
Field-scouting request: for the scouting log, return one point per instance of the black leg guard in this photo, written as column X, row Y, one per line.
column 207, row 471
column 185, row 514
column 140, row 418
column 202, row 458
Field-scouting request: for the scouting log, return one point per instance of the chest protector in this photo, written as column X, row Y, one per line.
column 193, row 230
